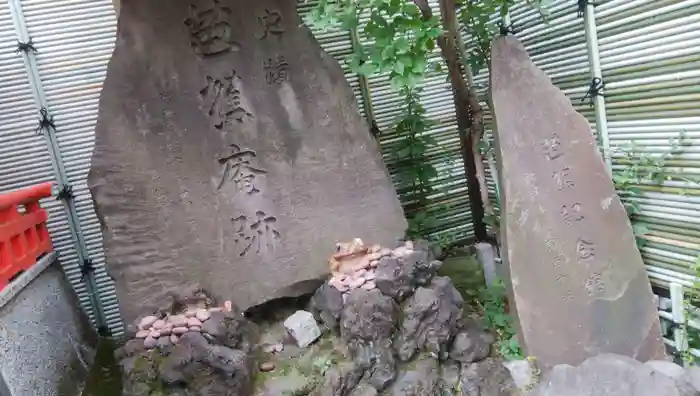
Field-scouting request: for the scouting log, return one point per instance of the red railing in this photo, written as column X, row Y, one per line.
column 24, row 237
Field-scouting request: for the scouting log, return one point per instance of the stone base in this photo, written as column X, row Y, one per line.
column 45, row 338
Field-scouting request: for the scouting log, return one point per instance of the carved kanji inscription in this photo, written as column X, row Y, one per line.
column 256, row 235
column 276, row 70
column 223, row 101
column 210, row 31
column 272, row 23
column 239, row 168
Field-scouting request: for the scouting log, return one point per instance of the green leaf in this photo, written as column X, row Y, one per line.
column 401, row 45
column 367, row 69
column 399, row 67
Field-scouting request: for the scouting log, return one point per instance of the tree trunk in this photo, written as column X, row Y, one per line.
column 468, row 110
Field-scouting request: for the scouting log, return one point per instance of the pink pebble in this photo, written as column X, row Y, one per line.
column 369, row 286
column 165, row 331
column 360, row 273
column 357, row 283
column 193, row 322
column 190, row 314
column 370, row 275
column 142, row 333
column 195, row 328
column 150, row 342
column 174, row 338
column 154, row 334
column 147, row 322
column 202, row 315
column 178, row 320
column 179, row 330
column 228, row 306
column 158, row 324
column 374, row 264
column 374, row 256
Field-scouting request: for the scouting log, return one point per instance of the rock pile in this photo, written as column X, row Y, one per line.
column 190, row 350
column 155, row 331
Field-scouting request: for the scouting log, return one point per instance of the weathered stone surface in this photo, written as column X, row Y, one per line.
column 368, row 316
column 667, row 368
column 398, row 277
column 522, row 372
column 421, row 378
column 303, row 327
column 193, row 366
column 488, row 378
column 608, row 375
column 579, row 284
column 229, row 150
column 430, row 319
column 471, row 344
column 327, row 305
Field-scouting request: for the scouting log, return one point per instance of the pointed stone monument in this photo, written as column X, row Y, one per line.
column 230, row 155
column 579, row 286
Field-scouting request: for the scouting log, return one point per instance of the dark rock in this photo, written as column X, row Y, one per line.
column 488, row 378
column 231, row 330
column 471, row 344
column 368, row 315
column 364, row 389
column 340, row 380
column 450, row 378
column 430, row 319
column 378, row 360
column 398, row 277
column 421, row 378
column 327, row 305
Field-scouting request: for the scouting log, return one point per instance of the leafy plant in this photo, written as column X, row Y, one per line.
column 496, row 317
column 639, row 168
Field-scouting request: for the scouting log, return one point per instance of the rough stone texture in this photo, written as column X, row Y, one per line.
column 471, row 344
column 327, row 305
column 522, row 373
column 421, row 378
column 430, row 319
column 609, row 375
column 667, row 368
column 368, row 316
column 579, row 284
column 303, row 327
column 42, row 331
column 192, row 367
column 228, row 153
column 399, row 277
column 488, row 378
column 340, row 380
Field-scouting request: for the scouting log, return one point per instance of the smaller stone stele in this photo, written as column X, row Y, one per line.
column 579, row 285
column 303, row 327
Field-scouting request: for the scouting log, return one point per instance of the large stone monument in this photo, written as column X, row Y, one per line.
column 230, row 155
column 578, row 281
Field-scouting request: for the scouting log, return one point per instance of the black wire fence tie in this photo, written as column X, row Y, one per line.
column 26, row 47
column 46, row 121
column 582, row 6
column 86, row 268
column 504, row 29
column 594, row 89
column 66, row 192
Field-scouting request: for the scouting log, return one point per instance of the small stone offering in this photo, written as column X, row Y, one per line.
column 142, row 333
column 158, row 324
column 150, row 342
column 266, row 367
column 303, row 327
column 202, row 315
column 147, row 322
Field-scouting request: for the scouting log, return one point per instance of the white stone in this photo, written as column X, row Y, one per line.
column 303, row 327
column 522, row 373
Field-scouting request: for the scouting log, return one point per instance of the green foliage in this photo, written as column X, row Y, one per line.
column 639, row 168
column 691, row 300
column 496, row 317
